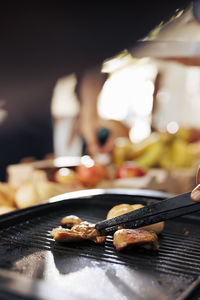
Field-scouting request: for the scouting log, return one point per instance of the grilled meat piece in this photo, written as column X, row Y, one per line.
column 127, row 237
column 82, row 231
column 65, row 235
column 70, row 221
column 88, row 231
column 121, row 209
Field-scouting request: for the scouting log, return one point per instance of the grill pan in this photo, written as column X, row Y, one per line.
column 33, row 266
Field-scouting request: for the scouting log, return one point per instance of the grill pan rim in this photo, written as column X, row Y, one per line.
column 16, row 216
column 54, row 202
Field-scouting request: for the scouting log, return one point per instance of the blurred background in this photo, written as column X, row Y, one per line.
column 147, row 93
column 41, row 43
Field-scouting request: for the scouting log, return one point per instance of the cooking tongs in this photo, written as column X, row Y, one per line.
column 164, row 210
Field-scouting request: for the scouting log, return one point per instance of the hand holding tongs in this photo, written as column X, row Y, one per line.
column 164, row 210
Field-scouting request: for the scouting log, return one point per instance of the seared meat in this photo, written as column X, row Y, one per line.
column 121, row 209
column 78, row 230
column 70, row 221
column 65, row 235
column 88, row 231
column 126, row 237
column 82, row 231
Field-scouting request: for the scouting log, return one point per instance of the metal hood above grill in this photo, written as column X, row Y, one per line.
column 180, row 37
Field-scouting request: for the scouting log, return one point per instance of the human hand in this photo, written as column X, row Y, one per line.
column 195, row 195
column 90, row 128
column 116, row 129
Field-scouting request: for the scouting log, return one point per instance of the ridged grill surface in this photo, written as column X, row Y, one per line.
column 179, row 254
column 26, row 247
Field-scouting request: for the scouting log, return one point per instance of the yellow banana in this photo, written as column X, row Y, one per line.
column 151, row 157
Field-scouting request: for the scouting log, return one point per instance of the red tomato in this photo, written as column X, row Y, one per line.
column 91, row 175
column 128, row 170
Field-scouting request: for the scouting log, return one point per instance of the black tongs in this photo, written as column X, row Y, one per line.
column 164, row 210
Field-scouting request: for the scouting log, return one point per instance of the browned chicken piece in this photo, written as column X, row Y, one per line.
column 70, row 221
column 65, row 235
column 126, row 237
column 124, row 208
column 82, row 231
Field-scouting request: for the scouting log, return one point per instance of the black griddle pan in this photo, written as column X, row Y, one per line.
column 33, row 266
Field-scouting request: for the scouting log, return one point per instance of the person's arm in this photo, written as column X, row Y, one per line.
column 89, row 88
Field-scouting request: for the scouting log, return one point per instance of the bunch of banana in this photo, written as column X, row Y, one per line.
column 176, row 155
column 161, row 150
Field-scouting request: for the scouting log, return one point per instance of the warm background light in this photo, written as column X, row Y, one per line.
column 128, row 96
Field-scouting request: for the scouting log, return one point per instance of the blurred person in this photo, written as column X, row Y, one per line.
column 41, row 43
column 77, row 126
column 89, row 87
